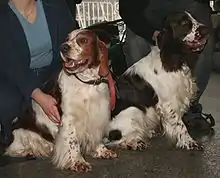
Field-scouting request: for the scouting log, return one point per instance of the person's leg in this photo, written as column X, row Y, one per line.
column 205, row 63
column 135, row 48
column 11, row 105
column 194, row 118
column 204, row 66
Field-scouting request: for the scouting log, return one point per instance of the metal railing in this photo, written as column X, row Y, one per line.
column 91, row 12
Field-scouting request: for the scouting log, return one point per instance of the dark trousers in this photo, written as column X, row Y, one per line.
column 72, row 7
column 136, row 47
column 12, row 103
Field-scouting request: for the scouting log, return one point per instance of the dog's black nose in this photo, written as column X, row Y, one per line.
column 203, row 30
column 64, row 48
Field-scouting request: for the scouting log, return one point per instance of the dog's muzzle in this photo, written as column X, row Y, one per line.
column 73, row 65
column 200, row 39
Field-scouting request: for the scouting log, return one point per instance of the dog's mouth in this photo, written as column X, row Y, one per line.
column 197, row 45
column 74, row 66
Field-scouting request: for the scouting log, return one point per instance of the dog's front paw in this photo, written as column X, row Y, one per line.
column 191, row 145
column 133, row 145
column 195, row 146
column 80, row 166
column 104, row 153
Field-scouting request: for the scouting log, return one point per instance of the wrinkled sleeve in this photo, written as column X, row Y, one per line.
column 18, row 73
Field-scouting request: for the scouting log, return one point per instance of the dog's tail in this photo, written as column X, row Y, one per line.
column 114, row 135
column 113, row 138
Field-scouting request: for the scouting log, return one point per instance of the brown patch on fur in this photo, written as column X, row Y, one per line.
column 176, row 51
column 27, row 120
column 88, row 41
column 104, row 68
column 90, row 52
column 174, row 54
column 95, row 54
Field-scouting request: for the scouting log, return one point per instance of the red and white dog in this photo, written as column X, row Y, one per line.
column 83, row 96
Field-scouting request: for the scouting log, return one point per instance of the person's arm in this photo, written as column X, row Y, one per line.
column 25, row 79
column 17, row 72
column 66, row 22
column 132, row 13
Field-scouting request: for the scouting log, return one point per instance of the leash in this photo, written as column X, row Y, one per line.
column 104, row 79
column 98, row 81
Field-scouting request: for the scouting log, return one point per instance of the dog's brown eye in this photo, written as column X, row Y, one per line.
column 83, row 41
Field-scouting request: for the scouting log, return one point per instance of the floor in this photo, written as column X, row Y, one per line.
column 161, row 160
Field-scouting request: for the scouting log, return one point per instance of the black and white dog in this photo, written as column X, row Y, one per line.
column 158, row 90
column 82, row 94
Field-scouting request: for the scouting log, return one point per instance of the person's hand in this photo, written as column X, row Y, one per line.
column 155, row 35
column 48, row 104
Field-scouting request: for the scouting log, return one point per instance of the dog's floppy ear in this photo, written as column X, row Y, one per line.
column 104, row 68
column 172, row 19
column 172, row 22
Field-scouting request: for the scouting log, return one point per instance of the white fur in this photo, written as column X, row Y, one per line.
column 27, row 142
column 86, row 115
column 195, row 24
column 175, row 91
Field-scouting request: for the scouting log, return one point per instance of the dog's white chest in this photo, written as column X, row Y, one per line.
column 78, row 94
column 177, row 85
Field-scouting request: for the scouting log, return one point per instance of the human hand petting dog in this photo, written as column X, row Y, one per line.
column 48, row 104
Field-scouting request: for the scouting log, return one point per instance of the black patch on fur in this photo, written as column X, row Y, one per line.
column 133, row 90
column 174, row 53
column 114, row 135
column 27, row 120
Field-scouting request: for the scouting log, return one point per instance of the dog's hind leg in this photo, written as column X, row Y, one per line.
column 29, row 143
column 175, row 129
column 67, row 152
column 129, row 130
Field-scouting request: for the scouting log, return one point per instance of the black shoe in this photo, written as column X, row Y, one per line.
column 198, row 121
column 6, row 136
